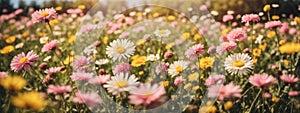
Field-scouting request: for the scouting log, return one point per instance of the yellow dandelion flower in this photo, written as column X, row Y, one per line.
column 225, row 31
column 72, row 39
column 25, row 34
column 68, row 60
column 141, row 72
column 13, row 83
column 275, row 99
column 197, row 37
column 105, row 39
column 286, row 62
column 271, row 34
column 138, row 61
column 212, row 109
column 256, row 52
column 206, row 62
column 82, row 7
column 140, row 42
column 165, row 83
column 169, row 46
column 53, row 22
column 267, row 8
column 32, row 100
column 196, row 88
column 281, row 42
column 228, row 105
column 10, row 39
column 254, row 60
column 289, row 48
column 7, row 49
column 263, row 46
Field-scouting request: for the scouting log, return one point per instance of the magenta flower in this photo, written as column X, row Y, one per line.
column 58, row 89
column 50, row 46
column 226, row 46
column 80, row 76
column 284, row 28
column 262, row 80
column 178, row 80
column 90, row 99
column 273, row 24
column 237, row 34
column 80, row 62
column 101, row 79
column 53, row 70
column 289, row 78
column 215, row 79
column 146, row 94
column 227, row 18
column 43, row 15
column 3, row 75
column 122, row 68
column 222, row 92
column 293, row 93
column 23, row 61
column 247, row 18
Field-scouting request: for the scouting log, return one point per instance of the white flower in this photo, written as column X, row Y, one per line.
column 44, row 40
column 162, row 33
column 102, row 61
column 259, row 39
column 120, row 49
column 177, row 67
column 239, row 63
column 153, row 57
column 120, row 83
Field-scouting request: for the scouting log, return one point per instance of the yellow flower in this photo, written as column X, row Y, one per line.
column 281, row 42
column 275, row 99
column 289, row 48
column 72, row 39
column 286, row 62
column 138, row 61
column 187, row 35
column 82, row 7
column 225, row 31
column 7, row 49
column 10, row 39
column 187, row 86
column 206, row 62
column 267, row 8
column 53, row 22
column 228, row 105
column 271, row 34
column 165, row 83
column 256, row 52
column 13, row 83
column 68, row 60
column 297, row 19
column 263, row 46
column 139, row 14
column 171, row 18
column 32, row 100
column 155, row 15
column 169, row 46
column 193, row 77
column 40, row 34
column 254, row 60
column 212, row 109
column 25, row 34
column 58, row 8
column 141, row 72
column 11, row 27
column 275, row 17
column 140, row 42
column 196, row 88
column 105, row 39
column 197, row 37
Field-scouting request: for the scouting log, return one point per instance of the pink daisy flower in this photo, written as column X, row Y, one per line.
column 226, row 46
column 80, row 62
column 273, row 24
column 284, row 28
column 262, row 80
column 146, row 94
column 23, row 61
column 53, row 70
column 122, row 68
column 193, row 51
column 247, row 18
column 227, row 18
column 293, row 93
column 178, row 80
column 222, row 92
column 215, row 79
column 289, row 78
column 161, row 68
column 58, row 89
column 43, row 15
column 50, row 46
column 90, row 99
column 101, row 79
column 47, row 79
column 80, row 76
column 237, row 34
column 3, row 75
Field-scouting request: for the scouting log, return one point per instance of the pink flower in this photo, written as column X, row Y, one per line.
column 215, row 79
column 74, row 11
column 3, row 75
column 53, row 70
column 226, row 46
column 80, row 62
column 178, row 80
column 122, row 68
column 101, row 79
column 262, row 80
column 124, row 35
column 23, row 61
column 273, row 24
column 247, row 18
column 146, row 94
column 47, row 79
column 168, row 54
column 43, row 15
column 266, row 95
column 285, row 27
column 227, row 18
column 293, row 93
column 161, row 68
column 193, row 51
column 58, row 89
column 292, row 31
column 237, row 34
column 80, row 76
column 90, row 99
column 289, row 78
column 211, row 50
column 88, row 28
column 222, row 92
column 50, row 46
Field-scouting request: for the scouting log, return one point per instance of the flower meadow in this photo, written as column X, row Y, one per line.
column 149, row 59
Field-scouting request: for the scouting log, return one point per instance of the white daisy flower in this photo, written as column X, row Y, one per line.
column 177, row 67
column 120, row 83
column 162, row 33
column 120, row 49
column 239, row 63
column 153, row 57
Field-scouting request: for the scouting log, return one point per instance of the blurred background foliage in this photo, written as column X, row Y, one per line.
column 286, row 7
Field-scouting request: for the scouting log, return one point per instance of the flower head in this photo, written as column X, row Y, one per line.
column 80, row 63
column 273, row 24
column 23, row 61
column 289, row 78
column 43, row 15
column 222, row 92
column 247, row 18
column 179, row 80
column 3, row 75
column 162, row 33
column 206, row 62
column 262, row 80
column 215, row 79
column 227, row 18
column 58, row 89
column 122, row 68
column 33, row 100
column 121, row 82
column 238, row 63
column 50, row 46
column 13, row 83
column 120, row 49
column 101, row 79
column 80, row 76
column 237, row 34
column 53, row 70
column 90, row 98
column 177, row 67
column 226, row 46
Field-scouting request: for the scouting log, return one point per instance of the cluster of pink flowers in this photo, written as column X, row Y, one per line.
column 80, row 76
column 221, row 92
column 262, row 80
column 122, row 68
column 24, row 61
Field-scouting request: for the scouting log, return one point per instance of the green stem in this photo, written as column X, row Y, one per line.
column 254, row 101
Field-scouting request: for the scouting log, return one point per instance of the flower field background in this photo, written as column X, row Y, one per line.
column 150, row 56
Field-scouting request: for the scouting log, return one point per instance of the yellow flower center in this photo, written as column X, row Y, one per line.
column 44, row 14
column 163, row 32
column 120, row 49
column 178, row 69
column 238, row 63
column 23, row 60
column 148, row 94
column 122, row 84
